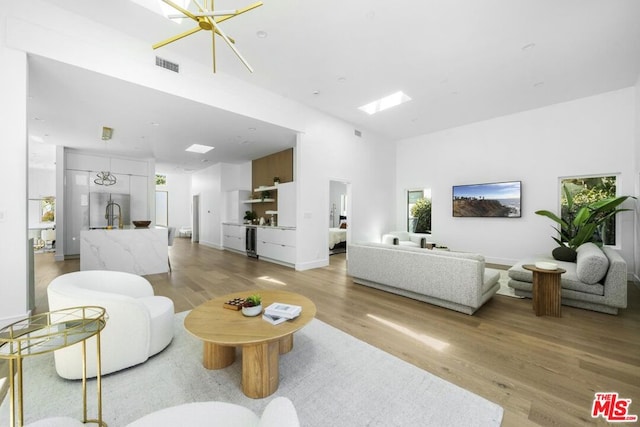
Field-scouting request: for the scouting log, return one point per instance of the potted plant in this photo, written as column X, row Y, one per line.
column 585, row 223
column 265, row 194
column 276, row 180
column 252, row 305
column 250, row 216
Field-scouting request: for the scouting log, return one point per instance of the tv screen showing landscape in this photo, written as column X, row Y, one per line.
column 497, row 199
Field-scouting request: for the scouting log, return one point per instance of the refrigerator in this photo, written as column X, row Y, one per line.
column 104, row 207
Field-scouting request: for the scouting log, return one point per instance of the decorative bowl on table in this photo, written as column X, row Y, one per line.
column 544, row 265
column 252, row 311
column 141, row 224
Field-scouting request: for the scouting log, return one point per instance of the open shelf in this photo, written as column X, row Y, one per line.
column 259, row 201
column 273, row 187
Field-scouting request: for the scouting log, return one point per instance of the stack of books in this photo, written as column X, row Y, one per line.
column 279, row 312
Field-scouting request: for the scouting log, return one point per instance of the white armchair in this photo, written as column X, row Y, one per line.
column 280, row 412
column 139, row 324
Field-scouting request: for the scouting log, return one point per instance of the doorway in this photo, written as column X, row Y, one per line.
column 338, row 216
column 195, row 219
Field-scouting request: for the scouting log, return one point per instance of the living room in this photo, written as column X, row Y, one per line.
column 591, row 135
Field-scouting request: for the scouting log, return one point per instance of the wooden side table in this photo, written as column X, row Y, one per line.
column 45, row 333
column 546, row 290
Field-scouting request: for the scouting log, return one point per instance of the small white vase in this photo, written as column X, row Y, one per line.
column 252, row 311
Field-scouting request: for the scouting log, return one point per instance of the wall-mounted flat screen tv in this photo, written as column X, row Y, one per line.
column 497, row 199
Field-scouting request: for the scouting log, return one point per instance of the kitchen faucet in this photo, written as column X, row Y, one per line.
column 109, row 216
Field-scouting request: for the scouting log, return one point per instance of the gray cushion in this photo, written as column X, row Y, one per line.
column 591, row 264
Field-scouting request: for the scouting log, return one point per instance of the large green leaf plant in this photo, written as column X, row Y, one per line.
column 585, row 223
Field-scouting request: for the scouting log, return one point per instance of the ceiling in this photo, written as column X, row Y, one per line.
column 460, row 61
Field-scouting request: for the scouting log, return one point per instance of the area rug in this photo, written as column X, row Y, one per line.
column 504, row 288
column 332, row 378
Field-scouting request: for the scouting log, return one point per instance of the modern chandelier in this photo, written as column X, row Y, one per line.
column 208, row 19
column 106, row 178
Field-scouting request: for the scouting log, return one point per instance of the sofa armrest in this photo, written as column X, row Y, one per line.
column 390, row 239
column 615, row 282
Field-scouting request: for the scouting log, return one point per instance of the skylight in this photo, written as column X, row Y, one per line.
column 387, row 102
column 162, row 8
column 197, row 148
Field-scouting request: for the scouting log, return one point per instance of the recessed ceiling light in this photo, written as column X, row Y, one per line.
column 389, row 101
column 155, row 124
column 537, row 84
column 528, row 46
column 252, row 129
column 262, row 34
column 316, row 92
column 197, row 148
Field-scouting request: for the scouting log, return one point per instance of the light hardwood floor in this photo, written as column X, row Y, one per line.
column 543, row 371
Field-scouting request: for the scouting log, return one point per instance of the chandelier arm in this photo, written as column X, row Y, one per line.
column 213, row 49
column 218, row 30
column 176, row 37
column 240, row 11
column 233, row 48
column 181, row 9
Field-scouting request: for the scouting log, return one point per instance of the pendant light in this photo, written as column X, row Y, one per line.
column 106, row 178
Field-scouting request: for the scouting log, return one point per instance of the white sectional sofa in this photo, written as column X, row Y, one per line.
column 455, row 280
column 596, row 281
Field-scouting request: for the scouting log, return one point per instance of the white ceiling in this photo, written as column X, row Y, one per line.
column 461, row 61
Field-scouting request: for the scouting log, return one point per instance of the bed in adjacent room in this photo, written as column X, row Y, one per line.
column 338, row 237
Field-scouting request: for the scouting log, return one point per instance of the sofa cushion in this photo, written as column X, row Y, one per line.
column 591, row 264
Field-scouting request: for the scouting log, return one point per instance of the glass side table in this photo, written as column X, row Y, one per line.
column 47, row 332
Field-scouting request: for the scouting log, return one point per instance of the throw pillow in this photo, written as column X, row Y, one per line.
column 592, row 264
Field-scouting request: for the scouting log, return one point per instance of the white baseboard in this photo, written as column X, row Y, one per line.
column 302, row 266
column 210, row 245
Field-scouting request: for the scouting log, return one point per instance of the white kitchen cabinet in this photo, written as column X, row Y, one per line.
column 234, row 207
column 277, row 244
column 287, row 204
column 233, row 237
column 76, row 209
column 139, row 205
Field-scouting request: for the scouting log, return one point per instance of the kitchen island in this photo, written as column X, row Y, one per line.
column 139, row 251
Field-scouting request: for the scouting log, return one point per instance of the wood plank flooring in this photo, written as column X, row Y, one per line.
column 543, row 371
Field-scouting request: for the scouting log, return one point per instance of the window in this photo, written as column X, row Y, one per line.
column 587, row 190
column 48, row 209
column 419, row 211
column 161, row 179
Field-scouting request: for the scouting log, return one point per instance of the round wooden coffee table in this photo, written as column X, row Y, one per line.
column 222, row 330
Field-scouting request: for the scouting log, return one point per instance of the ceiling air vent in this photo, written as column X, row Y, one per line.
column 171, row 66
column 356, row 132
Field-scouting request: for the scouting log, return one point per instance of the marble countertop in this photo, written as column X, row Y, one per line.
column 126, row 227
column 259, row 226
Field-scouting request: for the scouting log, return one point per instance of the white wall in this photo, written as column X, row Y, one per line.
column 13, row 175
column 329, row 150
column 206, row 184
column 589, row 136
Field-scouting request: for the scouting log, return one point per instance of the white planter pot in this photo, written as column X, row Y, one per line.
column 252, row 311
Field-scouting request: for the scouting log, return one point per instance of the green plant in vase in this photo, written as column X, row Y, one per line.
column 252, row 301
column 584, row 223
column 250, row 216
